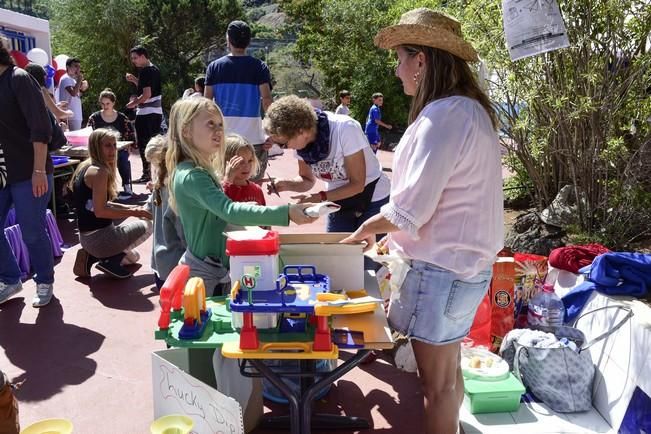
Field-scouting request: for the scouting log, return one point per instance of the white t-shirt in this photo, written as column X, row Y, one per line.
column 74, row 102
column 342, row 110
column 446, row 197
column 347, row 138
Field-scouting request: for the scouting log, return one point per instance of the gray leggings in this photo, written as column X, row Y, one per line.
column 111, row 240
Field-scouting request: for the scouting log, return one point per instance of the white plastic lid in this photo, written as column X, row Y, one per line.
column 494, row 370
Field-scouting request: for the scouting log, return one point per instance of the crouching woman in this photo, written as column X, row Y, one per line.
column 93, row 190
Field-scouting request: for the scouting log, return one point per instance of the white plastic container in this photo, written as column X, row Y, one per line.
column 253, row 258
column 260, row 320
column 262, row 268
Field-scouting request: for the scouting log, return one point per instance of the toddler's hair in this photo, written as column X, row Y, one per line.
column 234, row 144
column 156, row 148
column 155, row 154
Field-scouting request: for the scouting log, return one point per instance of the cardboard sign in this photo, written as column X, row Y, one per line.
column 177, row 392
column 533, row 27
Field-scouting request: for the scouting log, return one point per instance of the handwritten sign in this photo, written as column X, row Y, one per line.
column 177, row 392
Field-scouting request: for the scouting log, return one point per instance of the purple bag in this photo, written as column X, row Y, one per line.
column 15, row 239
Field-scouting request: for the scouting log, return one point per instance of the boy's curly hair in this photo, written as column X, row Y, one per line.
column 289, row 116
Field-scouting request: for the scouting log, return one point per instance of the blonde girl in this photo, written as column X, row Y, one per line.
column 240, row 164
column 194, row 158
column 93, row 188
column 168, row 241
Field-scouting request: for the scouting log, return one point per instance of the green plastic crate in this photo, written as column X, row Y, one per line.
column 493, row 396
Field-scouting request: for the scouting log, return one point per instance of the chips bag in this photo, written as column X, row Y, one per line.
column 502, row 300
column 530, row 272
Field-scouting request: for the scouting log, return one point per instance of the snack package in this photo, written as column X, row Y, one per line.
column 393, row 272
column 502, row 297
column 530, row 272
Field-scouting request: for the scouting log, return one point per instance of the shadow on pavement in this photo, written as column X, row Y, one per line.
column 123, row 294
column 53, row 354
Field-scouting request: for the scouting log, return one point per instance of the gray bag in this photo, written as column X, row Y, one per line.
column 561, row 377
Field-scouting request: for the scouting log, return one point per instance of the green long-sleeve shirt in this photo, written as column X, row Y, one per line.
column 205, row 210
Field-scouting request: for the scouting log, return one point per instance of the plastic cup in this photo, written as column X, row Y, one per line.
column 49, row 426
column 172, row 424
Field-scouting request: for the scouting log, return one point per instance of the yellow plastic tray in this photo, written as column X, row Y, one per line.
column 278, row 350
column 346, row 309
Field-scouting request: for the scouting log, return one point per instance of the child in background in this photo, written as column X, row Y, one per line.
column 195, row 144
column 344, row 100
column 241, row 164
column 93, row 190
column 168, row 240
column 374, row 121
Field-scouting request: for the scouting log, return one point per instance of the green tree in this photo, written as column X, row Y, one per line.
column 100, row 34
column 291, row 76
column 345, row 53
column 567, row 114
column 179, row 36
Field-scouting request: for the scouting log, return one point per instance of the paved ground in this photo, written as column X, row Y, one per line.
column 86, row 356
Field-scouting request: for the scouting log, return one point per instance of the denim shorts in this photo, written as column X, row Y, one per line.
column 435, row 305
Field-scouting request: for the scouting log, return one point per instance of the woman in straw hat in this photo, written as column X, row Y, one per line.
column 445, row 209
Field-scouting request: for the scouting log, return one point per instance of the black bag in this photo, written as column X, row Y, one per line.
column 58, row 138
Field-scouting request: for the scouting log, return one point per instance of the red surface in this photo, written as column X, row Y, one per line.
column 171, row 294
column 269, row 244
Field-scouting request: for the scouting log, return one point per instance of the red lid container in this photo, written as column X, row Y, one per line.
column 269, row 244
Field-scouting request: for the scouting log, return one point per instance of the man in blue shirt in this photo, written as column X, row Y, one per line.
column 373, row 121
column 238, row 83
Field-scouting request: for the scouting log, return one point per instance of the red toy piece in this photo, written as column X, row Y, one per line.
column 322, row 338
column 248, row 334
column 171, row 294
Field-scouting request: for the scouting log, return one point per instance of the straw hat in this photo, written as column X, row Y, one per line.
column 423, row 26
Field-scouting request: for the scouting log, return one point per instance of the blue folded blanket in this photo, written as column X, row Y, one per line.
column 612, row 274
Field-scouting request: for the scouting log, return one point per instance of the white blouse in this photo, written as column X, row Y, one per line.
column 446, row 192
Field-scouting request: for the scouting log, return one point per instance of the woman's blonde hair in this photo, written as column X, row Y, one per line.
column 234, row 144
column 289, row 116
column 95, row 159
column 445, row 75
column 180, row 147
column 155, row 154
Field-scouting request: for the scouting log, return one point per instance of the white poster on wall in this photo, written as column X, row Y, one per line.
column 533, row 27
column 177, row 392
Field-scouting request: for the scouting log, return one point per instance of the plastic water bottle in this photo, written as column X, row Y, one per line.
column 546, row 309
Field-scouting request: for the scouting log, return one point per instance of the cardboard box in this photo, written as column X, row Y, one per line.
column 344, row 263
column 184, row 383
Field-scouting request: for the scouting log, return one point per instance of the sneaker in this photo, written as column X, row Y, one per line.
column 43, row 294
column 7, row 290
column 124, row 195
column 130, row 257
column 112, row 267
column 83, row 263
column 143, row 179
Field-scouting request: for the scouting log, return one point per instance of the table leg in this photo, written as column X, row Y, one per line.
column 301, row 420
column 276, row 380
column 329, row 421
